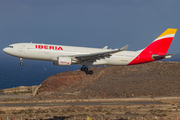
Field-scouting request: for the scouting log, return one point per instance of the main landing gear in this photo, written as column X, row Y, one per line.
column 21, row 63
column 86, row 70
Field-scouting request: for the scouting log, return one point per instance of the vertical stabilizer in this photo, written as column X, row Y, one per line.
column 161, row 44
column 158, row 47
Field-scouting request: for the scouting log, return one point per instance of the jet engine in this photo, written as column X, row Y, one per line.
column 63, row 61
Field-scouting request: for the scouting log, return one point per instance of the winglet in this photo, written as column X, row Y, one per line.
column 106, row 47
column 124, row 48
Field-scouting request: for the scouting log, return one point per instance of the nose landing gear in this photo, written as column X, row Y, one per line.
column 21, row 63
column 86, row 70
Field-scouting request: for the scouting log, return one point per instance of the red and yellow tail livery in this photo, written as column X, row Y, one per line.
column 157, row 48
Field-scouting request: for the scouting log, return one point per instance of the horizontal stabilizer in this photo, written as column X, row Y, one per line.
column 157, row 57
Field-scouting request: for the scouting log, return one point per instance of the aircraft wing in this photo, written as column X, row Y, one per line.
column 97, row 56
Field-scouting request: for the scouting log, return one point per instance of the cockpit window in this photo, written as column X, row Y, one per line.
column 10, row 46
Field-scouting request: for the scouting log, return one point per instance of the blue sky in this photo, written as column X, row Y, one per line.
column 89, row 23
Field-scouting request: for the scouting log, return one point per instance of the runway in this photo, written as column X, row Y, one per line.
column 5, row 96
column 78, row 103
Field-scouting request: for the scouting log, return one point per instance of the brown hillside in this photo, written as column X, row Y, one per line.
column 151, row 79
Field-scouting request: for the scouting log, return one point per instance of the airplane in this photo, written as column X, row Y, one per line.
column 62, row 55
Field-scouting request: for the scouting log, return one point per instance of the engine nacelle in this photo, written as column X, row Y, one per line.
column 63, row 61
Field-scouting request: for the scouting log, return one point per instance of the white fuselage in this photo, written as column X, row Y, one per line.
column 67, row 55
column 46, row 52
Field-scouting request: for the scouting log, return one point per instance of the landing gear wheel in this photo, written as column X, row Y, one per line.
column 21, row 64
column 90, row 72
column 87, row 72
column 82, row 69
column 86, row 69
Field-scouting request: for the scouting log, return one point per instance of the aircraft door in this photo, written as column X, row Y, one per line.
column 20, row 48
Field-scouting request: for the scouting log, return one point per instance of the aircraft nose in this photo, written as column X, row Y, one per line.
column 5, row 50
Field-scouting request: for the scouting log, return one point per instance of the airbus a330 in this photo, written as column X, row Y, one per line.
column 67, row 55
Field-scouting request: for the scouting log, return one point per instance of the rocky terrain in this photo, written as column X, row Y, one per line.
column 102, row 112
column 144, row 80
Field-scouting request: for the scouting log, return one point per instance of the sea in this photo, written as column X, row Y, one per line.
column 34, row 72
